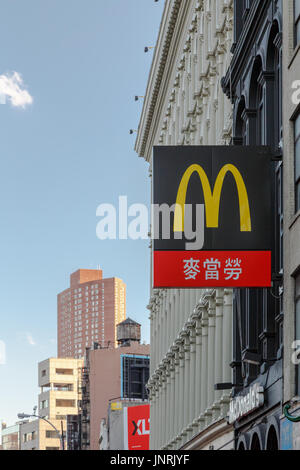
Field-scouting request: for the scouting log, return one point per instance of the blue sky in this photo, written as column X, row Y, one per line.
column 82, row 62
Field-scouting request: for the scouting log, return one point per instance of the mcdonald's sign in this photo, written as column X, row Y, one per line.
column 212, row 222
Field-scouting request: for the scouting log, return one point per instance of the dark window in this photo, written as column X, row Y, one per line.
column 258, row 313
column 272, row 441
column 297, row 162
column 51, row 435
column 241, row 9
column 135, row 377
column 261, row 116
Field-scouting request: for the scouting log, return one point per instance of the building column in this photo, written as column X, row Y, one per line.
column 161, row 409
column 187, row 305
column 211, row 358
column 152, row 411
column 192, row 395
column 168, row 400
column 185, row 423
column 170, row 319
column 176, row 319
column 176, row 394
column 181, row 394
column 157, row 428
column 218, row 351
column 172, row 398
column 226, row 349
column 181, row 311
column 198, row 331
column 204, row 362
column 163, row 415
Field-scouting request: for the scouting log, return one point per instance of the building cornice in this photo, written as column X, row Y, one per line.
column 173, row 18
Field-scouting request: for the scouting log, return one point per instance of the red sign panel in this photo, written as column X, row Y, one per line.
column 137, row 427
column 212, row 269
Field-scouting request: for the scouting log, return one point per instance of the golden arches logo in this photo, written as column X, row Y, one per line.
column 212, row 198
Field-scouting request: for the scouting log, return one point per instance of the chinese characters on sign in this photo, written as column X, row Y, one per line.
column 212, row 269
column 191, row 268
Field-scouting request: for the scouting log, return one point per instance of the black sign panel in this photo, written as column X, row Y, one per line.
column 234, row 184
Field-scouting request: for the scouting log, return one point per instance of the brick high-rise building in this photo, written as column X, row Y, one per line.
column 89, row 311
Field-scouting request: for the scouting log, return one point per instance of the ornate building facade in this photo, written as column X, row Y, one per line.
column 191, row 330
column 291, row 207
column 254, row 84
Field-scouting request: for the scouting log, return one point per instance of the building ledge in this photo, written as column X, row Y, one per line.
column 216, row 429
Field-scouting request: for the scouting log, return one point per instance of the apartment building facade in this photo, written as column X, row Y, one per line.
column 191, row 330
column 10, row 437
column 59, row 380
column 89, row 311
column 253, row 82
column 124, row 371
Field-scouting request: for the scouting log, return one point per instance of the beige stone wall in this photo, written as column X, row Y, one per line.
column 190, row 329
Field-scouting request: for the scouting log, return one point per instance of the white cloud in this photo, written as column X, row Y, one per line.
column 12, row 87
column 30, row 339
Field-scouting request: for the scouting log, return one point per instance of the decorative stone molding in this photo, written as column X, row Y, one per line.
column 185, row 105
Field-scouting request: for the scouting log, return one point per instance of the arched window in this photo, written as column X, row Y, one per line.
column 261, row 116
column 272, row 441
column 255, row 444
column 240, row 129
column 241, row 446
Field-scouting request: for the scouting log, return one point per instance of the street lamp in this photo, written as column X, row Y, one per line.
column 60, row 436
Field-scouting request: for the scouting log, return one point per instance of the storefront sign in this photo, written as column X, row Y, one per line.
column 212, row 216
column 116, row 405
column 243, row 405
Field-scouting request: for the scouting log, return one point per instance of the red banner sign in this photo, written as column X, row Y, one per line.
column 137, row 427
column 212, row 269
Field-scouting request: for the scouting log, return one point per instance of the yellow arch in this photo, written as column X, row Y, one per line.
column 212, row 199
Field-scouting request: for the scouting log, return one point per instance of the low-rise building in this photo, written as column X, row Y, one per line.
column 112, row 373
column 114, row 429
column 60, row 381
column 10, row 436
